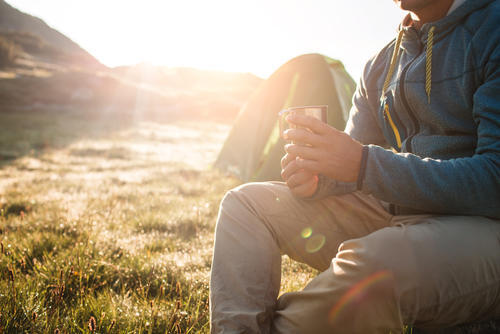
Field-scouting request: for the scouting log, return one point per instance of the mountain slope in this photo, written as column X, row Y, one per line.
column 48, row 71
column 13, row 20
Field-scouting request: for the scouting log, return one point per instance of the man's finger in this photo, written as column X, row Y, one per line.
column 286, row 159
column 303, row 136
column 304, row 152
column 299, row 178
column 314, row 124
column 306, row 189
column 289, row 170
column 310, row 165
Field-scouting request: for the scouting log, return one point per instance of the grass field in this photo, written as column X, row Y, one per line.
column 107, row 225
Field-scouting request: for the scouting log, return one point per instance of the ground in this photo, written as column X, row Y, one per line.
column 107, row 223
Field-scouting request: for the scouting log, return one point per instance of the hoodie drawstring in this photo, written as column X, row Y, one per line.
column 428, row 63
column 392, row 65
column 390, row 72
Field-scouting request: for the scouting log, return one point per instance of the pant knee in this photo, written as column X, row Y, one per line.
column 384, row 262
column 244, row 191
column 246, row 204
column 386, row 250
column 260, row 198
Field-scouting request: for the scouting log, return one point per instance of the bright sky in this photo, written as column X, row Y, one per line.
column 232, row 35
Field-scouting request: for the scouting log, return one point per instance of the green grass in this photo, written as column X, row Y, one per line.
column 109, row 223
column 100, row 220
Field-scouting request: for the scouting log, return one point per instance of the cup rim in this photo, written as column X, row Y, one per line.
column 284, row 111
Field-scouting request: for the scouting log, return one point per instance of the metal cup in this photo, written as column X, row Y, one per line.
column 318, row 112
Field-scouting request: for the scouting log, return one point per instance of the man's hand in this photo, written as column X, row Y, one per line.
column 301, row 182
column 323, row 149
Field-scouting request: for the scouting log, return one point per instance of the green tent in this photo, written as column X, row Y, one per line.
column 253, row 149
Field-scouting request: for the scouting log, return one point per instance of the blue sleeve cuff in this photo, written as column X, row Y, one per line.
column 362, row 168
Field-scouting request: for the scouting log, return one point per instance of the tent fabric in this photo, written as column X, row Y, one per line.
column 253, row 149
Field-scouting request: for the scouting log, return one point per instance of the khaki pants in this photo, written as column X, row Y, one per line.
column 379, row 271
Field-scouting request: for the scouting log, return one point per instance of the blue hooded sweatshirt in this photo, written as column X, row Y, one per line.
column 427, row 109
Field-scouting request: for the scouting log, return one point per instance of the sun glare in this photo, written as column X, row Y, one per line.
column 226, row 35
column 220, row 35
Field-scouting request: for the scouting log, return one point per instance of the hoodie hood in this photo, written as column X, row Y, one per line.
column 446, row 24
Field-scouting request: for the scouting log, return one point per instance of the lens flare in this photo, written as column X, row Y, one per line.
column 356, row 291
column 315, row 243
column 306, row 233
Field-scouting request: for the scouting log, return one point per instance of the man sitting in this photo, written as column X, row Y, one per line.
column 401, row 212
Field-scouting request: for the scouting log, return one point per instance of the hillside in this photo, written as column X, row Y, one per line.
column 41, row 69
column 36, row 32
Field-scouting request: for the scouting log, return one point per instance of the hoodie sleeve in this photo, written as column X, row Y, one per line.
column 462, row 186
column 362, row 125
